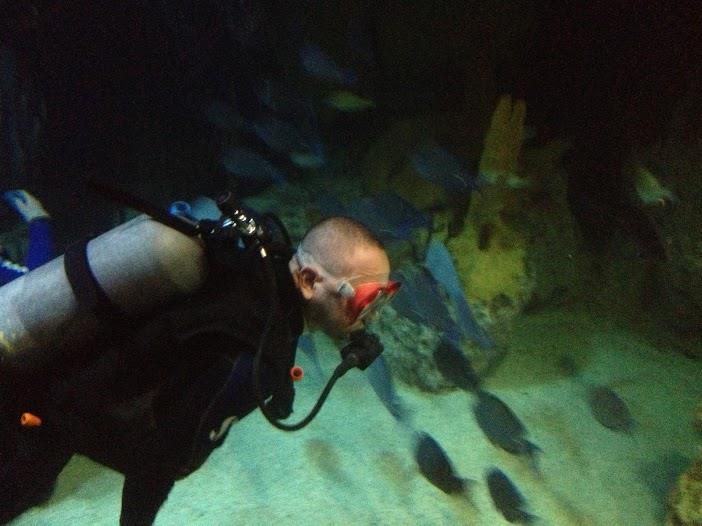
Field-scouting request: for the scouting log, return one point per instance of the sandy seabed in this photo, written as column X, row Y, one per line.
column 354, row 465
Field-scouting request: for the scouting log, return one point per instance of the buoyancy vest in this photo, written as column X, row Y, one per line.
column 234, row 304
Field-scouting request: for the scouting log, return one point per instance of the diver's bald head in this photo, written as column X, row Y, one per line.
column 335, row 243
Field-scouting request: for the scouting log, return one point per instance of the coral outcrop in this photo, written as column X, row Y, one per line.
column 685, row 500
column 519, row 247
column 524, row 251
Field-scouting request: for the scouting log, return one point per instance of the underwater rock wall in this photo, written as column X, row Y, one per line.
column 660, row 275
column 679, row 280
column 409, row 348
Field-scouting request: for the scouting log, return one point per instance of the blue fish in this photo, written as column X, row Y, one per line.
column 320, row 65
column 391, row 217
column 380, row 378
column 249, row 165
column 330, row 205
column 420, row 300
column 439, row 263
column 306, row 343
column 387, row 215
column 304, row 150
column 438, row 166
column 279, row 136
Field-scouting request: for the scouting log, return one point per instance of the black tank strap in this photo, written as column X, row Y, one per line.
column 90, row 295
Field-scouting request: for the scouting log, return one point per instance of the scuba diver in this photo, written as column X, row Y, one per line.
column 152, row 395
column 40, row 249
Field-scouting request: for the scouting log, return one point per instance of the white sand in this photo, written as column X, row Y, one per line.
column 353, row 465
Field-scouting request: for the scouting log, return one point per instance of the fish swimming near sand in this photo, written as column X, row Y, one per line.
column 380, row 378
column 503, row 428
column 439, row 263
column 420, row 300
column 609, row 409
column 455, row 367
column 436, row 467
column 605, row 404
column 507, row 498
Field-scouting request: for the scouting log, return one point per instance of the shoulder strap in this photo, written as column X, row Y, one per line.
column 90, row 295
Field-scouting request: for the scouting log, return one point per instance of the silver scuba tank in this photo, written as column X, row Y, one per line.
column 139, row 265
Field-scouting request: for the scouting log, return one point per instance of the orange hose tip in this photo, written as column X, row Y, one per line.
column 296, row 373
column 30, row 420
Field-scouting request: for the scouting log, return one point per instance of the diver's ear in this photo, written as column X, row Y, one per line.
column 307, row 278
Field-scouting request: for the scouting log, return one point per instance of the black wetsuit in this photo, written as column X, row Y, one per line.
column 158, row 394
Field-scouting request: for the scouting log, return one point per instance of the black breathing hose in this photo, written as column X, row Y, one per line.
column 353, row 355
column 273, row 307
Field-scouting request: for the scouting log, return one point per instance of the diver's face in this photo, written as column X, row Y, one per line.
column 326, row 312
column 326, row 309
